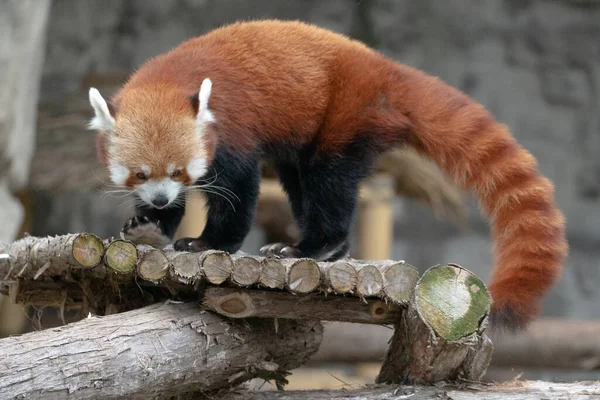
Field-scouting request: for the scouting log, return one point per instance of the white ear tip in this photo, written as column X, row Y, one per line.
column 206, row 86
column 95, row 97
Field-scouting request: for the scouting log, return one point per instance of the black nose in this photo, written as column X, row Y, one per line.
column 160, row 200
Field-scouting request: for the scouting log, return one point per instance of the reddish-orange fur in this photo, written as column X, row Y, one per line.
column 293, row 84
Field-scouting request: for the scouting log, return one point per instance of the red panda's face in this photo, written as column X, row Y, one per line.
column 157, row 145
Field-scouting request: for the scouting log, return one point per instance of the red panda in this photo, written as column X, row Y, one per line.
column 322, row 107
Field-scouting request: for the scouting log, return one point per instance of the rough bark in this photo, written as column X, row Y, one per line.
column 121, row 256
column 161, row 350
column 33, row 257
column 519, row 390
column 243, row 303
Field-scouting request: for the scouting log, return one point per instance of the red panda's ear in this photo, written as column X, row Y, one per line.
column 104, row 119
column 112, row 109
column 195, row 103
column 200, row 103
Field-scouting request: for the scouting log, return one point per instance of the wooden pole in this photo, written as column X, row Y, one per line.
column 194, row 219
column 376, row 219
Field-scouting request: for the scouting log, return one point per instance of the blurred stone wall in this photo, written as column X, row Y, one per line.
column 534, row 63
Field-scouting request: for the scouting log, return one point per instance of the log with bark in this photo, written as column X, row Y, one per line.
column 440, row 318
column 517, row 390
column 69, row 259
column 158, row 351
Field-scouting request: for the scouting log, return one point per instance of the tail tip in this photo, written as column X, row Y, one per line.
column 508, row 319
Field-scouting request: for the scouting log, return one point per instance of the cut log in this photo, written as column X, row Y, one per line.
column 216, row 266
column 185, row 268
column 519, row 390
column 369, row 282
column 303, row 275
column 399, row 280
column 87, row 250
column 246, row 271
column 32, row 257
column 27, row 260
column 153, row 264
column 243, row 303
column 161, row 350
column 440, row 336
column 121, row 256
column 272, row 274
column 340, row 276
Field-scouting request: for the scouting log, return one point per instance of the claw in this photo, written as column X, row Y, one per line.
column 290, row 251
column 191, row 245
column 280, row 250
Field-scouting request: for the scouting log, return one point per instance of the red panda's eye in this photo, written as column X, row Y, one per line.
column 140, row 176
column 175, row 174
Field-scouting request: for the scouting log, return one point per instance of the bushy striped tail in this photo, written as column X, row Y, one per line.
column 481, row 155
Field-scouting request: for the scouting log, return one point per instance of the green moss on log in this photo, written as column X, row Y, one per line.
column 452, row 301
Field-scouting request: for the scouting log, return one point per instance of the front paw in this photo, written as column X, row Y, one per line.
column 327, row 253
column 281, row 250
column 142, row 230
column 193, row 245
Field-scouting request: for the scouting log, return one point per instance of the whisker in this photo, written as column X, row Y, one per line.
column 118, row 194
column 215, row 189
column 219, row 194
column 222, row 188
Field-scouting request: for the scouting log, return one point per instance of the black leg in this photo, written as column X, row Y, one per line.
column 329, row 195
column 152, row 226
column 231, row 201
column 289, row 176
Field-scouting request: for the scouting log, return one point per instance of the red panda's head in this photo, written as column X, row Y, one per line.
column 158, row 140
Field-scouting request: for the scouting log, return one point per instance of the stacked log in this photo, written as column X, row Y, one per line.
column 439, row 318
